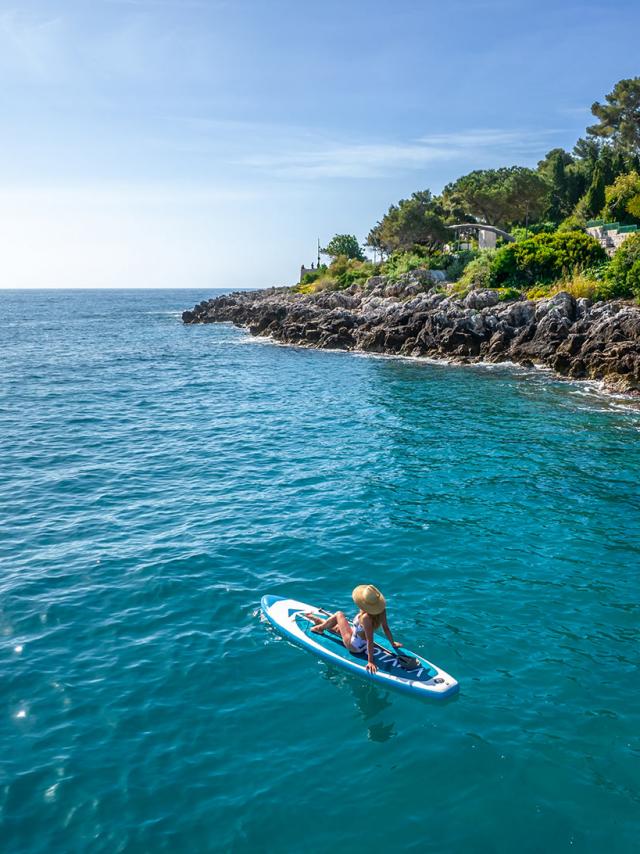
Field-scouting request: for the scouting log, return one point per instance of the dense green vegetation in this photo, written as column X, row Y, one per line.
column 622, row 278
column 544, row 258
column 341, row 273
column 622, row 200
column 546, row 210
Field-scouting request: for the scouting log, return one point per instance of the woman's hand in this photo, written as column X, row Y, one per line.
column 371, row 667
column 396, row 644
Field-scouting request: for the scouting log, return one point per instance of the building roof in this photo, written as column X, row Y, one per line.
column 482, row 226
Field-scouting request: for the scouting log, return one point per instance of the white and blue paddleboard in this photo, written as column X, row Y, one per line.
column 423, row 679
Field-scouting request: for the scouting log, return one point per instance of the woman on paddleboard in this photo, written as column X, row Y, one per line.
column 358, row 636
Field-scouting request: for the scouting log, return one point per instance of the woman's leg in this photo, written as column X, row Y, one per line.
column 337, row 623
column 320, row 624
column 344, row 628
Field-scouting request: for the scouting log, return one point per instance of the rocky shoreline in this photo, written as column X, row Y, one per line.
column 412, row 317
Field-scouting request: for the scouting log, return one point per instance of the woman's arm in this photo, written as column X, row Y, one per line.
column 368, row 633
column 387, row 631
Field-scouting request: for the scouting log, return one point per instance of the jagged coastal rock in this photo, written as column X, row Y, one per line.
column 412, row 317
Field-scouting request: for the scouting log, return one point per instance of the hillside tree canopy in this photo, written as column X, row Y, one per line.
column 414, row 222
column 344, row 244
column 501, row 197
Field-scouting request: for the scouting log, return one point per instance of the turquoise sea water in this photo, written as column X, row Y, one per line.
column 156, row 480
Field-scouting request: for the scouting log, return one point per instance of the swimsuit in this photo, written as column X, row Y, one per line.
column 358, row 639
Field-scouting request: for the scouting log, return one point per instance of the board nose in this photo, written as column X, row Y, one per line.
column 269, row 600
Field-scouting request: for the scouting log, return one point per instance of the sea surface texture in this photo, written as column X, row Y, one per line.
column 156, row 480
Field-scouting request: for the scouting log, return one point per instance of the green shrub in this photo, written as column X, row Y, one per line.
column 400, row 263
column 313, row 275
column 521, row 232
column 506, row 294
column 504, row 266
column 597, row 272
column 623, row 199
column 539, row 292
column 544, row 258
column 477, row 273
column 609, row 289
column 342, row 273
column 579, row 284
column 435, row 260
column 324, row 283
column 452, row 263
column 622, row 277
column 633, row 279
column 456, row 263
column 572, row 223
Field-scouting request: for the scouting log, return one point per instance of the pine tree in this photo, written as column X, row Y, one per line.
column 558, row 199
column 595, row 198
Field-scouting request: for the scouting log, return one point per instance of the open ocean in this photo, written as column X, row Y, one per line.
column 156, row 480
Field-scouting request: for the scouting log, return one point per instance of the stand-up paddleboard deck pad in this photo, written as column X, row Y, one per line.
column 426, row 679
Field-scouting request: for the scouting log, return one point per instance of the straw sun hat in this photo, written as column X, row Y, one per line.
column 368, row 598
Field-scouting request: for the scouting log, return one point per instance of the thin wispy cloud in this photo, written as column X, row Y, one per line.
column 583, row 111
column 345, row 161
column 479, row 137
column 376, row 160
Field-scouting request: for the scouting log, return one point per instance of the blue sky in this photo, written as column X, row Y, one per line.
column 208, row 143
